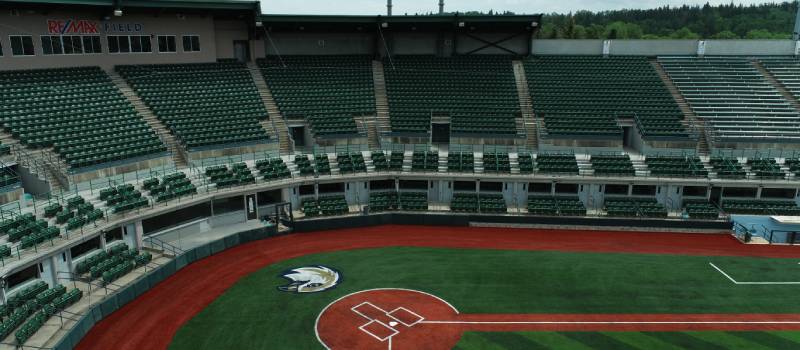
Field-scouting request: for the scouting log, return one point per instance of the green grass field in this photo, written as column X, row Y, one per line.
column 253, row 314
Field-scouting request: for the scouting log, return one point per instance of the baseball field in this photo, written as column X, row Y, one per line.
column 408, row 287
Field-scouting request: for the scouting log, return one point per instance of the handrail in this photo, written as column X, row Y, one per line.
column 165, row 246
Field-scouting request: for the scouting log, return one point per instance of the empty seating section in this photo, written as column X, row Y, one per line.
column 727, row 167
column 425, row 161
column 786, row 71
column 584, row 95
column 303, row 165
column 327, row 90
column 36, row 304
column 496, row 163
column 793, row 164
column 379, row 161
column 477, row 92
column 123, row 198
column 273, row 169
column 635, row 207
column 461, row 162
column 734, row 98
column 760, row 207
column 351, row 163
column 525, row 162
column 701, row 209
column 676, row 166
column 77, row 111
column 557, row 163
column 28, row 230
column 396, row 161
column 171, row 186
column 322, row 164
column 413, row 200
column 492, row 203
column 765, row 168
column 327, row 206
column 222, row 176
column 464, row 202
column 205, row 105
column 613, row 165
column 551, row 206
column 383, row 201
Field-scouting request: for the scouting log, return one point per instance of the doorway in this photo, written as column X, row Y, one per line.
column 716, row 195
column 441, row 133
column 241, row 51
column 298, row 135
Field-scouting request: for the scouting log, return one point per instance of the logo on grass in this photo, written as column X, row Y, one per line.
column 310, row 279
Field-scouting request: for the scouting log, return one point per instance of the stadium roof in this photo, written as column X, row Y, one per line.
column 182, row 4
column 422, row 22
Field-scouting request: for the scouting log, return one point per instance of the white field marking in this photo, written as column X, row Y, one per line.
column 610, row 322
column 737, row 282
column 316, row 322
column 419, row 318
column 368, row 304
column 364, row 329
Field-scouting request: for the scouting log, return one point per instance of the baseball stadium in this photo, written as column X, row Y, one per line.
column 200, row 174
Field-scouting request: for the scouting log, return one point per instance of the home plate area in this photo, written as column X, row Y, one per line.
column 386, row 319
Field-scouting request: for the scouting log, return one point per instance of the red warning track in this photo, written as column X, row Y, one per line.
column 151, row 320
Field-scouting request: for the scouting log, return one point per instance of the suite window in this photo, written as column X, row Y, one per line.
column 166, row 43
column 129, row 44
column 22, row 45
column 191, row 43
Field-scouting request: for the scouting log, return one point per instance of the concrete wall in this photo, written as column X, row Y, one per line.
column 320, row 43
column 567, row 47
column 518, row 44
column 225, row 33
column 408, row 43
column 653, row 47
column 36, row 24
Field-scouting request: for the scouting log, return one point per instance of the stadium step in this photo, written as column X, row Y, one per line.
column 690, row 118
column 179, row 156
column 788, row 96
column 274, row 125
column 526, row 105
column 407, row 157
column 584, row 166
column 478, row 159
column 42, row 163
column 513, row 163
column 382, row 124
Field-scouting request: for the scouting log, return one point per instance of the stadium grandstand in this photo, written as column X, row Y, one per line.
column 140, row 138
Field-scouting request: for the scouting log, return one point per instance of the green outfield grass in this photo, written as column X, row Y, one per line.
column 253, row 314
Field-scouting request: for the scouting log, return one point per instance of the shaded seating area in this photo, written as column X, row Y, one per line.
column 634, row 207
column 496, row 163
column 525, row 162
column 327, row 90
column 613, row 165
column 77, row 111
column 584, row 96
column 425, row 161
column 766, row 168
column 555, row 206
column 556, row 164
column 760, row 207
column 477, row 92
column 169, row 187
column 676, row 166
column 351, row 163
column 379, row 161
column 492, row 203
column 205, row 105
column 396, row 161
column 701, row 209
column 325, row 206
column 461, row 162
column 464, row 202
column 735, row 100
column 727, row 167
column 222, row 176
column 383, row 201
column 273, row 169
column 413, row 200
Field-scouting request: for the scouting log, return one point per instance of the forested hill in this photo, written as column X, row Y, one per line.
column 731, row 21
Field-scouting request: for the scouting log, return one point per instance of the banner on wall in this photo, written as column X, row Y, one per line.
column 72, row 26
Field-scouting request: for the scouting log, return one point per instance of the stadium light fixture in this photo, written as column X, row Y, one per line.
column 118, row 13
column 534, row 24
column 384, row 25
column 461, row 24
column 259, row 24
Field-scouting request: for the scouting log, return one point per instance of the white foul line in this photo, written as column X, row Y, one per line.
column 611, row 322
column 737, row 282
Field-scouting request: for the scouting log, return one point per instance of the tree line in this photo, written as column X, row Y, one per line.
column 729, row 21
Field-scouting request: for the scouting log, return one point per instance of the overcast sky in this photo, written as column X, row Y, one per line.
column 374, row 7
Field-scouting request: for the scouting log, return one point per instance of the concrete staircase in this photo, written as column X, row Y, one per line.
column 44, row 163
column 584, row 165
column 703, row 145
column 788, row 96
column 275, row 126
column 382, row 124
column 526, row 105
column 178, row 153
